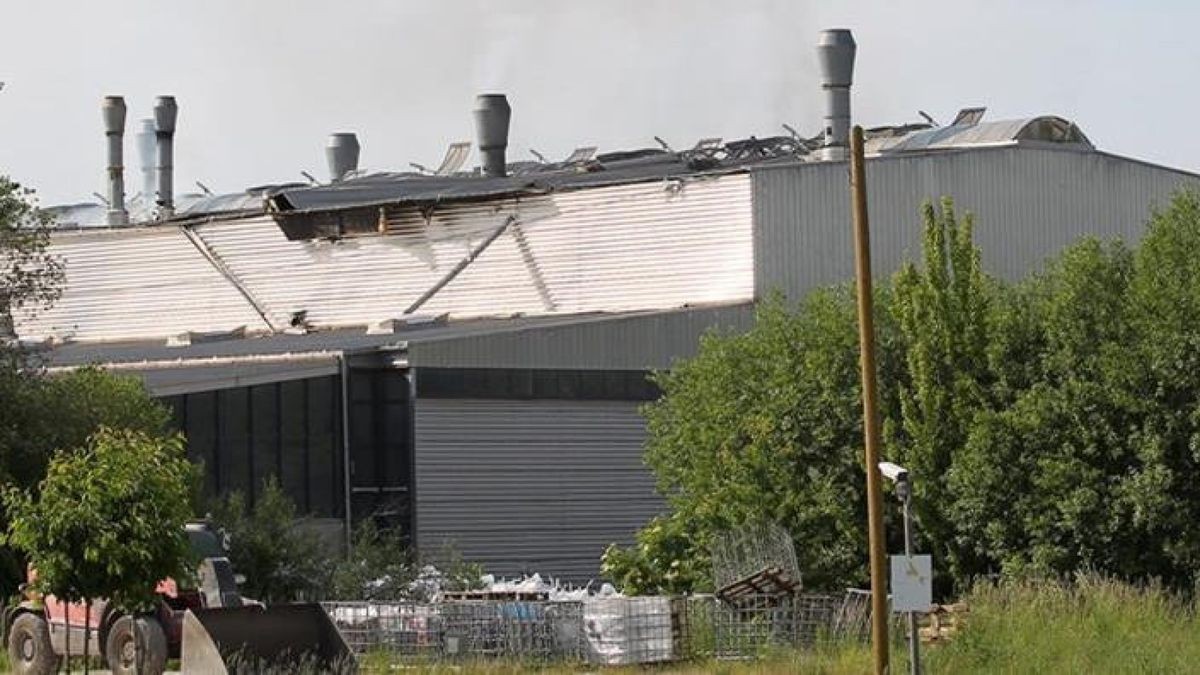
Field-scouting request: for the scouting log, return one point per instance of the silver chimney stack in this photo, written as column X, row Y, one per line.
column 835, row 53
column 113, row 112
column 341, row 154
column 145, row 147
column 492, row 115
column 165, row 112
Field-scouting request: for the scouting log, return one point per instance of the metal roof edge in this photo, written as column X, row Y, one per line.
column 204, row 361
column 1147, row 163
column 589, row 318
column 982, row 147
column 1015, row 145
column 156, row 225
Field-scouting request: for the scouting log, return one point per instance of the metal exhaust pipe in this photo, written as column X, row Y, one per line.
column 165, row 113
column 341, row 154
column 492, row 115
column 113, row 112
column 835, row 55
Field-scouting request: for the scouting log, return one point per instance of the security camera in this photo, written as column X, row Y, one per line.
column 893, row 472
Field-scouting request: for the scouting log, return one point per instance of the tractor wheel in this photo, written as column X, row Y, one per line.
column 29, row 650
column 151, row 652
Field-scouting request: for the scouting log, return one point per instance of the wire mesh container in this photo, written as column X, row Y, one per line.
column 613, row 630
column 523, row 630
column 708, row 627
column 759, row 558
column 474, row 629
column 408, row 629
column 629, row 630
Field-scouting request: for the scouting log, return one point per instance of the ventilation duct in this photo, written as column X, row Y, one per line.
column 835, row 54
column 113, row 112
column 341, row 154
column 165, row 113
column 492, row 115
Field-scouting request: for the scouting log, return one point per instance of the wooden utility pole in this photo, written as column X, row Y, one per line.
column 866, row 341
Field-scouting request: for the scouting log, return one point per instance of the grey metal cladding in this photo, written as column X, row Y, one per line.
column 1030, row 203
column 635, row 342
column 530, row 486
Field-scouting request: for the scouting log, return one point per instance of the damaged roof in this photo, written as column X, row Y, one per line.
column 709, row 156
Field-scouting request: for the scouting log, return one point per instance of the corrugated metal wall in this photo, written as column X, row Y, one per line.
column 138, row 284
column 1029, row 204
column 641, row 342
column 606, row 249
column 531, row 486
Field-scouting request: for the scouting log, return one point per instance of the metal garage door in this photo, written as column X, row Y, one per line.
column 531, row 485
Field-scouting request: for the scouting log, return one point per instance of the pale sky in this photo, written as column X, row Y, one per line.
column 261, row 83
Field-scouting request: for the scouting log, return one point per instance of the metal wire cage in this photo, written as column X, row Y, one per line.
column 756, row 559
column 447, row 631
column 708, row 627
column 611, row 631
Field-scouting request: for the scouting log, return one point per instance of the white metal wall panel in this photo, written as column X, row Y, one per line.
column 603, row 249
column 531, row 486
column 1029, row 203
column 131, row 284
column 642, row 246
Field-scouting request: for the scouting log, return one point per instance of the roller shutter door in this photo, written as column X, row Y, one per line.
column 531, row 485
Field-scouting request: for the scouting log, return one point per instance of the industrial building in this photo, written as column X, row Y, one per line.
column 463, row 352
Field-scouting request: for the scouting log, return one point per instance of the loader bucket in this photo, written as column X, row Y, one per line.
column 255, row 639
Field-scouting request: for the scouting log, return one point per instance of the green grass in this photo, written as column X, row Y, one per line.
column 1093, row 625
column 1090, row 625
column 826, row 661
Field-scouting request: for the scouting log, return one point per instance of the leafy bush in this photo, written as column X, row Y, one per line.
column 282, row 560
column 668, row 558
column 378, row 567
column 381, row 567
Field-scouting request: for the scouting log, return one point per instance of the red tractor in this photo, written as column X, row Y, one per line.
column 223, row 623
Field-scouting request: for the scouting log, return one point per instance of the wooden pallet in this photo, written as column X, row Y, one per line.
column 944, row 622
column 769, row 581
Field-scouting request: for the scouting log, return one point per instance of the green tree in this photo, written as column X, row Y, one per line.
column 1093, row 464
column 1163, row 371
column 758, row 426
column 1042, row 483
column 44, row 413
column 30, row 276
column 282, row 559
column 108, row 519
column 41, row 414
column 942, row 308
